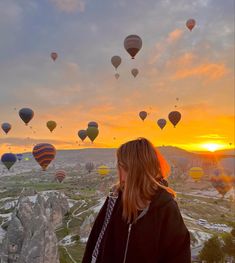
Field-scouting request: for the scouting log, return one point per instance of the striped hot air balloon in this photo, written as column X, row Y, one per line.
column 60, row 175
column 133, row 44
column 44, row 153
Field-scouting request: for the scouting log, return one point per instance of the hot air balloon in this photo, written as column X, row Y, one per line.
column 54, row 55
column 190, row 24
column 196, row 173
column 93, row 124
column 161, row 123
column 6, row 127
column 103, row 170
column 133, row 44
column 89, row 166
column 19, row 156
column 117, row 76
column 134, row 72
column 8, row 159
column 51, row 125
column 60, row 175
column 82, row 134
column 26, row 115
column 92, row 133
column 116, row 61
column 174, row 117
column 44, row 153
column 222, row 184
column 143, row 115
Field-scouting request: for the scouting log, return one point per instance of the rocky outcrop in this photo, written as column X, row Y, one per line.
column 85, row 228
column 30, row 236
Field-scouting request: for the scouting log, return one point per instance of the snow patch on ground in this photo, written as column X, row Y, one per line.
column 67, row 241
column 72, row 202
column 84, row 240
column 200, row 236
column 97, row 208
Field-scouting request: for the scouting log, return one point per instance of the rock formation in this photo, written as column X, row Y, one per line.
column 30, row 236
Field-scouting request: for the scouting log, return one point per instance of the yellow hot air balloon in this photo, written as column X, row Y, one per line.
column 51, row 125
column 103, row 170
column 196, row 173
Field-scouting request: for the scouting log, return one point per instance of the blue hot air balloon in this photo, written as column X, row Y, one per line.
column 8, row 159
column 6, row 127
column 19, row 156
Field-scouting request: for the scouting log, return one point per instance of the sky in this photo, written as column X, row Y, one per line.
column 197, row 67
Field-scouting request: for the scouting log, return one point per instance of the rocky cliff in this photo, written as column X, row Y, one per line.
column 30, row 236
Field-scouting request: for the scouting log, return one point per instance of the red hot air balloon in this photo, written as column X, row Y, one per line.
column 190, row 24
column 60, row 175
column 44, row 153
column 133, row 44
column 54, row 55
column 174, row 117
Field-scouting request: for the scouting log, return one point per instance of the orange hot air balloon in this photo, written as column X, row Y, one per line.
column 190, row 24
column 54, row 55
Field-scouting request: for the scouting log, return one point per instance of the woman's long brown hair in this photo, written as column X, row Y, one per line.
column 146, row 168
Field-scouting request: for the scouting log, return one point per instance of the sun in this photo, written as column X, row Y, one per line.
column 211, row 146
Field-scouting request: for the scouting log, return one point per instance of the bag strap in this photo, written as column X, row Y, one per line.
column 111, row 203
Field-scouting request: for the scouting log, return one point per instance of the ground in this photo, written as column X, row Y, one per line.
column 86, row 192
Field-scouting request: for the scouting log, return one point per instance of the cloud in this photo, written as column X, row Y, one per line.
column 174, row 36
column 69, row 6
column 162, row 46
column 30, row 141
column 211, row 136
column 212, row 71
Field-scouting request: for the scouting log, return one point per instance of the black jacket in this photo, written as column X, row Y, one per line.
column 160, row 236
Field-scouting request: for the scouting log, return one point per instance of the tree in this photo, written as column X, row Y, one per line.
column 212, row 251
column 228, row 245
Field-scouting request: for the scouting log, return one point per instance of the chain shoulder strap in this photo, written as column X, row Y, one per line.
column 112, row 198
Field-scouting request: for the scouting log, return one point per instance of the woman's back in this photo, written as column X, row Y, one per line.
column 126, row 234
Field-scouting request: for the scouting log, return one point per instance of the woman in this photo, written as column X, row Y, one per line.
column 140, row 221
